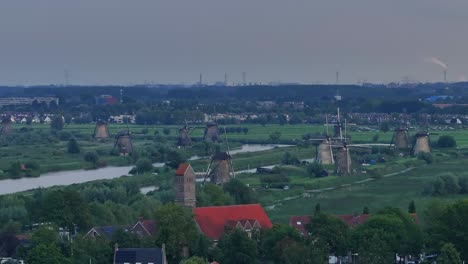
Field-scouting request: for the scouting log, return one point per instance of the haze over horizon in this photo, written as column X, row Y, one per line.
column 304, row 41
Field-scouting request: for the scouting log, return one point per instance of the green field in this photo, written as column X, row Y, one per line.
column 53, row 156
column 396, row 191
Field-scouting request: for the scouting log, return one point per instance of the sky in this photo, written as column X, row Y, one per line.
column 173, row 41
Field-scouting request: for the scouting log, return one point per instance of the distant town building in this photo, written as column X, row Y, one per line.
column 4, row 101
column 120, row 119
column 105, row 99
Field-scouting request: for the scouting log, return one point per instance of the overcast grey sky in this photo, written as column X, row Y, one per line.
column 172, row 41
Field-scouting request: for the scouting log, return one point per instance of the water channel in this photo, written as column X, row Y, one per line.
column 64, row 178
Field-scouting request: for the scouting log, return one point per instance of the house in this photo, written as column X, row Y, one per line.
column 106, row 232
column 47, row 120
column 140, row 256
column 212, row 221
column 144, row 228
column 352, row 220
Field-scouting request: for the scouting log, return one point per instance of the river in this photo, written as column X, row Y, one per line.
column 64, row 178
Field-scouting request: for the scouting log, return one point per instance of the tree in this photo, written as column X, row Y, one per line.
column 166, row 131
column 289, row 159
column 412, row 207
column 275, row 136
column 446, row 141
column 447, row 223
column 294, row 252
column 57, row 123
column 315, row 169
column 237, row 248
column 427, row 157
column 270, row 247
column 375, row 138
column 385, row 234
column 91, row 156
column 212, row 195
column 144, row 165
column 96, row 250
column 317, row 209
column 176, row 228
column 45, row 254
column 125, row 239
column 384, row 127
column 365, row 210
column 239, row 191
column 245, row 130
column 73, row 147
column 194, row 260
column 329, row 231
column 15, row 171
column 65, row 208
column 448, row 255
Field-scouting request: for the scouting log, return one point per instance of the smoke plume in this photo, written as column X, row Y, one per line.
column 436, row 61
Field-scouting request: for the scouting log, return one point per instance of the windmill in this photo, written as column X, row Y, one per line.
column 422, row 143
column 184, row 136
column 343, row 161
column 101, row 131
column 221, row 169
column 123, row 141
column 211, row 132
column 323, row 150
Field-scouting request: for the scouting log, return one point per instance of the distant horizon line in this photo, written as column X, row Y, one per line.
column 220, row 84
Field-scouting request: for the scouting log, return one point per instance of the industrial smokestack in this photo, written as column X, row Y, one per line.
column 442, row 64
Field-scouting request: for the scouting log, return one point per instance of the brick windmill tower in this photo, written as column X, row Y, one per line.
column 211, row 132
column 185, row 185
column 101, row 131
column 422, row 144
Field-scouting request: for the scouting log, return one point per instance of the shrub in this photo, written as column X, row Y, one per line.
column 73, row 147
column 315, row 169
column 91, row 156
column 64, row 135
column 446, row 142
column 143, row 165
column 427, row 157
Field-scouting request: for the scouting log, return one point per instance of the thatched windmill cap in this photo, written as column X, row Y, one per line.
column 123, row 133
column 422, row 134
column 222, row 156
column 101, row 122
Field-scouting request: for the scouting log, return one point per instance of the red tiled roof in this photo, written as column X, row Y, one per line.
column 182, row 169
column 354, row 220
column 212, row 220
column 299, row 223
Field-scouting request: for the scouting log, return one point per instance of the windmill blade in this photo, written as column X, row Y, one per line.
column 370, row 145
column 208, row 170
column 115, row 144
column 326, row 122
column 230, row 160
